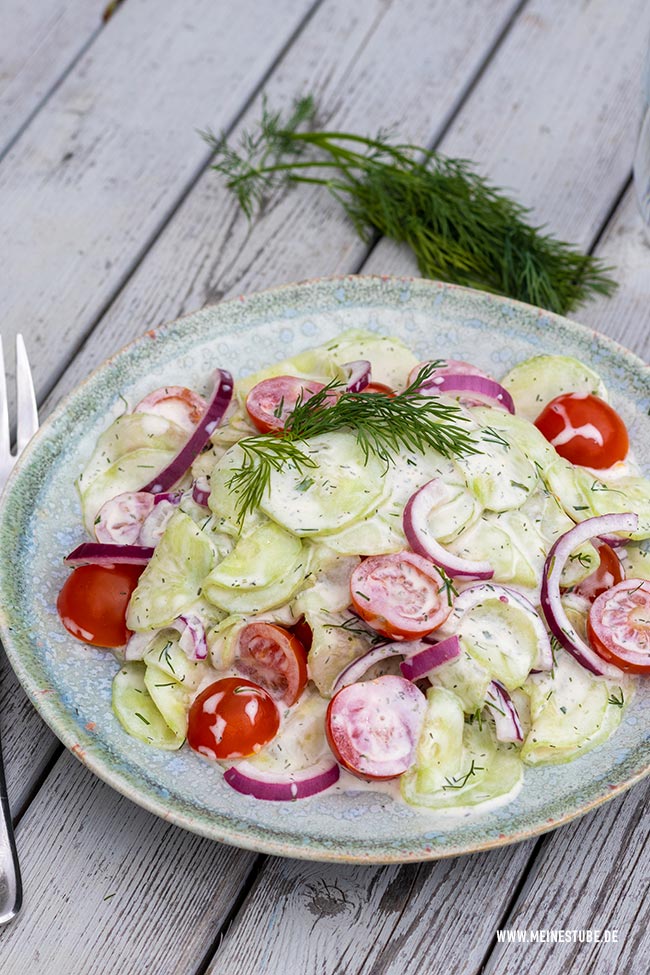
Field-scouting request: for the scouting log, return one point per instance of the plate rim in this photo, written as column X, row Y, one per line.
column 82, row 743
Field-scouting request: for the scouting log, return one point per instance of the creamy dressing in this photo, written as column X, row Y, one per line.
column 345, row 499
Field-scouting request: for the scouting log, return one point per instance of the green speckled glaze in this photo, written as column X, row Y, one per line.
column 70, row 684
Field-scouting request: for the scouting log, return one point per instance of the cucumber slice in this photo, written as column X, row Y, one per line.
column 133, row 431
column 129, row 473
column 263, row 571
column 300, row 742
column 571, row 712
column 620, row 495
column 489, row 540
column 520, row 431
column 134, row 708
column 637, row 561
column 166, row 656
column 341, row 489
column 337, row 640
column 535, row 382
column 170, row 697
column 439, row 753
column 467, row 678
column 329, row 582
column 172, row 581
column 550, row 521
column 501, row 637
column 488, row 771
column 257, row 560
column 391, row 359
column 501, row 477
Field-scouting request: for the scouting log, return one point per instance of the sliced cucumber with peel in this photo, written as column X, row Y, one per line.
column 136, row 710
column 535, row 382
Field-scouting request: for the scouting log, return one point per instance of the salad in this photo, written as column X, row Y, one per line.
column 354, row 566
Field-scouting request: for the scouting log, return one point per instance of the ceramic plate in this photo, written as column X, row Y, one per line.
column 70, row 684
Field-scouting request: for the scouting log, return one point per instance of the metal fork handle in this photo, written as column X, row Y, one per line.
column 11, row 891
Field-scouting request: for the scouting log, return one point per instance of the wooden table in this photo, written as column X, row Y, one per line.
column 111, row 222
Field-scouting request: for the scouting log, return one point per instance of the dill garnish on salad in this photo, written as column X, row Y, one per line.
column 357, row 566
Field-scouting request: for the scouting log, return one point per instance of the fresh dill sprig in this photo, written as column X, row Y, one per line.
column 262, row 456
column 383, row 425
column 460, row 781
column 459, row 226
column 617, row 702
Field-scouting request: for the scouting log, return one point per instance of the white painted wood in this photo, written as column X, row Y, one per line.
column 626, row 246
column 100, row 169
column 38, row 42
column 554, row 118
column 336, row 918
column 92, row 179
column 209, row 245
column 111, row 889
column 590, row 875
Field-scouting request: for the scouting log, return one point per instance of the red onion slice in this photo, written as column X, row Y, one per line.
column 95, row 553
column 556, row 617
column 483, row 390
column 173, row 497
column 355, row 671
column 449, row 367
column 212, row 417
column 201, row 490
column 415, row 518
column 245, row 778
column 358, row 375
column 120, row 520
column 470, row 597
column 614, row 541
column 193, row 640
column 506, row 718
column 430, row 656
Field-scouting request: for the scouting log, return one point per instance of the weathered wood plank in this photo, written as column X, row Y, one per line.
column 38, row 43
column 72, row 227
column 594, row 874
column 119, row 891
column 100, row 169
column 626, row 245
column 345, row 919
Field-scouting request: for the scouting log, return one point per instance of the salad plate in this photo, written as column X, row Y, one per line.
column 70, row 683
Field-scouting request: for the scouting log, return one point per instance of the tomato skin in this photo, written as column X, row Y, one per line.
column 585, row 430
column 400, row 595
column 222, row 723
column 271, row 400
column 608, row 574
column 303, row 631
column 619, row 626
column 372, row 727
column 379, row 388
column 93, row 602
column 274, row 658
column 177, row 403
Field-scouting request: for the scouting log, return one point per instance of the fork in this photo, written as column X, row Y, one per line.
column 11, row 893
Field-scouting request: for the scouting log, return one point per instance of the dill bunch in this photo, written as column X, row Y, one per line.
column 383, row 425
column 459, row 227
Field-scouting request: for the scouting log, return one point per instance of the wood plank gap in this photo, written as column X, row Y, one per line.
column 54, row 87
column 517, row 891
column 245, row 890
column 44, row 773
column 180, row 200
column 612, row 213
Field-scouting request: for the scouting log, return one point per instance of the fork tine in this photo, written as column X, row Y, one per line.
column 6, row 460
column 27, row 423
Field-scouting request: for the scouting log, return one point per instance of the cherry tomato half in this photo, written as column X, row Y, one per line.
column 584, row 429
column 232, row 718
column 619, row 625
column 303, row 631
column 270, row 402
column 401, row 595
column 274, row 658
column 177, row 403
column 373, row 726
column 93, row 602
column 609, row 573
